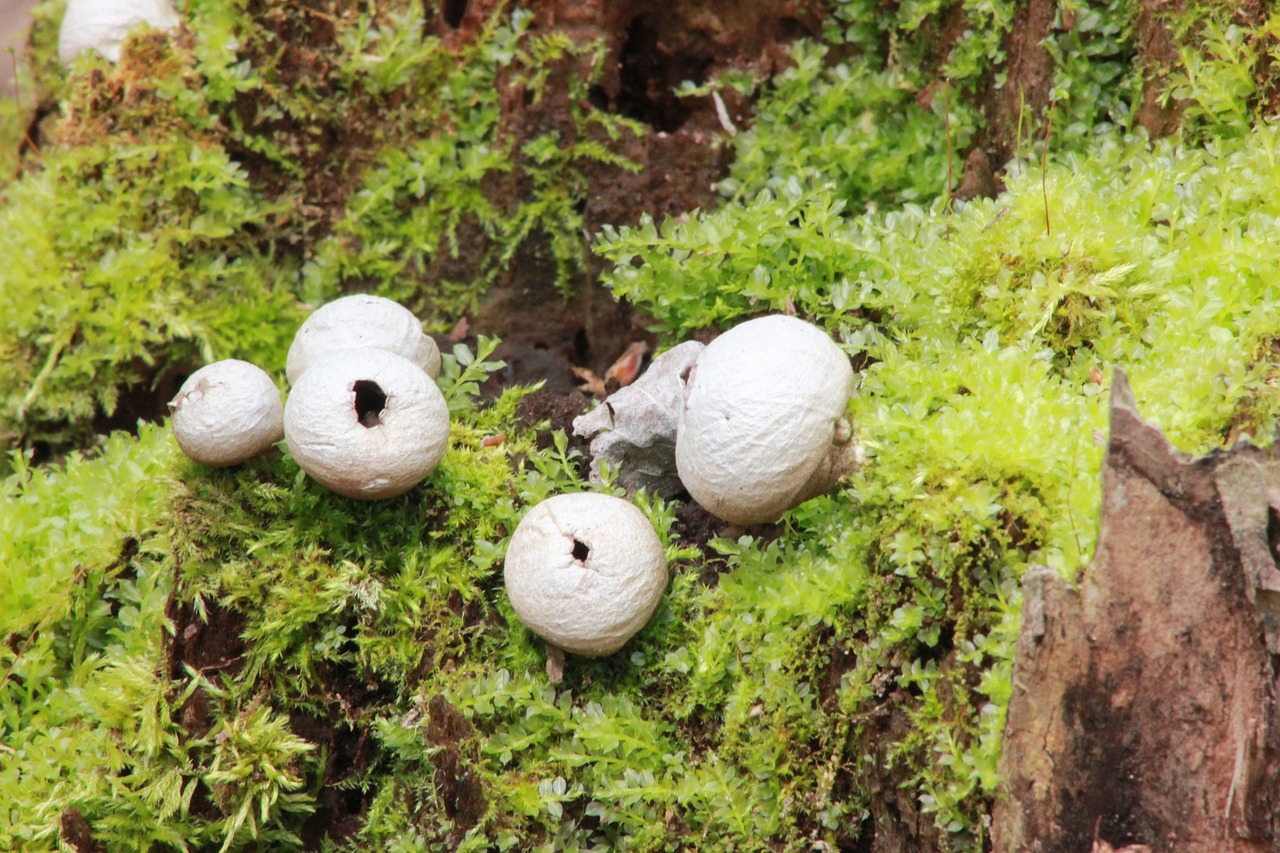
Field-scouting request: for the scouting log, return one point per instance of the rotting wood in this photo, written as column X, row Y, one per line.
column 1143, row 709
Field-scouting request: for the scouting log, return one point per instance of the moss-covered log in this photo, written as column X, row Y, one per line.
column 206, row 659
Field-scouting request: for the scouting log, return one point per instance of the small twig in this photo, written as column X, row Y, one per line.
column 50, row 362
column 1044, row 166
column 1237, row 775
column 946, row 122
column 77, row 579
column 17, row 99
column 555, row 664
column 1000, row 215
column 722, row 113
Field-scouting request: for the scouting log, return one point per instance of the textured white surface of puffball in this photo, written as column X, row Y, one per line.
column 760, row 416
column 589, row 606
column 102, row 25
column 227, row 412
column 359, row 321
column 325, row 436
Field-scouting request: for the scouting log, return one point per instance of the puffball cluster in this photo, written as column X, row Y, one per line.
column 102, row 25
column 757, row 419
column 364, row 416
column 366, row 423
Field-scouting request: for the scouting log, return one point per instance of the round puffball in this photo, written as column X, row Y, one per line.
column 585, row 572
column 102, row 25
column 227, row 412
column 359, row 321
column 762, row 428
column 366, row 423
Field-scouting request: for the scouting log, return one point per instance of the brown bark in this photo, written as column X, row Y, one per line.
column 1143, row 707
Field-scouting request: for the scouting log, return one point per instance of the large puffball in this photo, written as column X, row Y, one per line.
column 585, row 572
column 360, row 321
column 366, row 423
column 102, row 25
column 763, row 425
column 227, row 412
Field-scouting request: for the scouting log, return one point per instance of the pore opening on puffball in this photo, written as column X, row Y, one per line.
column 370, row 401
column 580, row 550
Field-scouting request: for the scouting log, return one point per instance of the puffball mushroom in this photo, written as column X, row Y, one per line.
column 366, row 423
column 227, row 412
column 102, row 25
column 763, row 424
column 585, row 572
column 359, row 321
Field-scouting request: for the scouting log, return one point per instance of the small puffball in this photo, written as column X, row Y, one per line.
column 763, row 426
column 227, row 412
column 366, row 423
column 585, row 572
column 355, row 322
column 102, row 25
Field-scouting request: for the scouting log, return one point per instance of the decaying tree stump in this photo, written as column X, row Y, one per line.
column 1144, row 699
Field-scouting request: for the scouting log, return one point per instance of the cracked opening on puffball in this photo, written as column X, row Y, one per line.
column 580, row 550
column 370, row 402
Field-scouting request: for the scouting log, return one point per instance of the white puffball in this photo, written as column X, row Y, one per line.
column 585, row 572
column 102, row 25
column 227, row 412
column 366, row 423
column 762, row 428
column 353, row 322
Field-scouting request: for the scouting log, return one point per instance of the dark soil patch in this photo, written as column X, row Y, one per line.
column 1158, row 55
column 696, row 527
column 557, row 412
column 1029, row 70
column 76, row 833
column 681, row 155
column 458, row 785
column 318, row 157
column 208, row 646
column 146, row 401
column 475, row 613
column 351, row 751
column 896, row 823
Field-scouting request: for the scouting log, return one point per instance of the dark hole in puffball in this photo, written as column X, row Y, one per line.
column 580, row 550
column 370, row 401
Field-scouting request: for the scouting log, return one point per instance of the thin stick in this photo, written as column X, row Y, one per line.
column 77, row 579
column 946, row 121
column 17, row 99
column 1044, row 166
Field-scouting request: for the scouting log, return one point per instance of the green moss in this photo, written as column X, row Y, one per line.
column 985, row 339
column 200, row 658
column 194, row 193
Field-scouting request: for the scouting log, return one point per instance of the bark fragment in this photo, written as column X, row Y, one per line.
column 1143, row 708
column 634, row 431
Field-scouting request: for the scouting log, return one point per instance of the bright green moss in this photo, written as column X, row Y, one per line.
column 986, row 337
column 110, row 273
column 751, row 712
column 192, row 194
column 61, row 523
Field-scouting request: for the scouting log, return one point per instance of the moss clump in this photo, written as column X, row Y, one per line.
column 190, row 196
column 239, row 658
